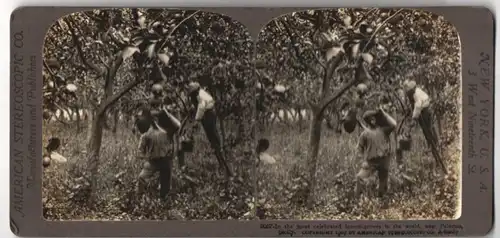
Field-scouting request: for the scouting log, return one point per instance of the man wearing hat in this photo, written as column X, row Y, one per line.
column 205, row 113
column 422, row 115
column 418, row 98
column 374, row 149
column 156, row 149
column 420, row 102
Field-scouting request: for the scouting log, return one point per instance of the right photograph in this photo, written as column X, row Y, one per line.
column 359, row 115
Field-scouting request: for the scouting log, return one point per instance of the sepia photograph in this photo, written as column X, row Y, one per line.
column 358, row 115
column 148, row 116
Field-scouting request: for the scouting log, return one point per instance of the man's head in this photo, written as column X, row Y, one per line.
column 409, row 86
column 362, row 89
column 193, row 87
column 370, row 117
column 54, row 144
column 156, row 88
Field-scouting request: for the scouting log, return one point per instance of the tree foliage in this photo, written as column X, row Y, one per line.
column 113, row 57
column 103, row 63
column 319, row 55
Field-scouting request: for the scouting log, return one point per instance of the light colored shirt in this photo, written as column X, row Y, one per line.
column 205, row 102
column 421, row 100
column 376, row 142
column 156, row 143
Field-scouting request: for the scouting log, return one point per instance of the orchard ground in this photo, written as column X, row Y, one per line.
column 203, row 195
column 417, row 193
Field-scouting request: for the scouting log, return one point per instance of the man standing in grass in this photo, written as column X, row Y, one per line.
column 156, row 148
column 374, row 150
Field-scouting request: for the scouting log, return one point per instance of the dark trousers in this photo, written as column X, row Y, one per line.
column 429, row 130
column 163, row 165
column 426, row 122
column 209, row 123
column 379, row 165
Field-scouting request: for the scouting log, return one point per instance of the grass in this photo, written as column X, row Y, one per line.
column 282, row 186
column 201, row 194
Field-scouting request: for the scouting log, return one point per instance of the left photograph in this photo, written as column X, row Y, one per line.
column 146, row 116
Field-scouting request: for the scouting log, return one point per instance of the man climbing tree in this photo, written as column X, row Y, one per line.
column 421, row 114
column 205, row 113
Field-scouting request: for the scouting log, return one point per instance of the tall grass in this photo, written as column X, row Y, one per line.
column 202, row 194
column 199, row 194
column 416, row 192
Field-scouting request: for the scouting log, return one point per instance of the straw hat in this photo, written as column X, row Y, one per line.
column 368, row 114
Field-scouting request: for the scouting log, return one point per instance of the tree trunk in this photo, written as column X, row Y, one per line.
column 100, row 119
column 115, row 121
column 90, row 122
column 317, row 112
column 94, row 147
column 314, row 141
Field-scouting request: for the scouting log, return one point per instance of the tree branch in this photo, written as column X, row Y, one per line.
column 323, row 65
column 171, row 32
column 48, row 68
column 103, row 62
column 288, row 30
column 364, row 16
column 378, row 29
column 117, row 42
column 92, row 16
column 108, row 102
column 344, row 87
column 330, row 70
column 361, row 67
column 80, row 50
